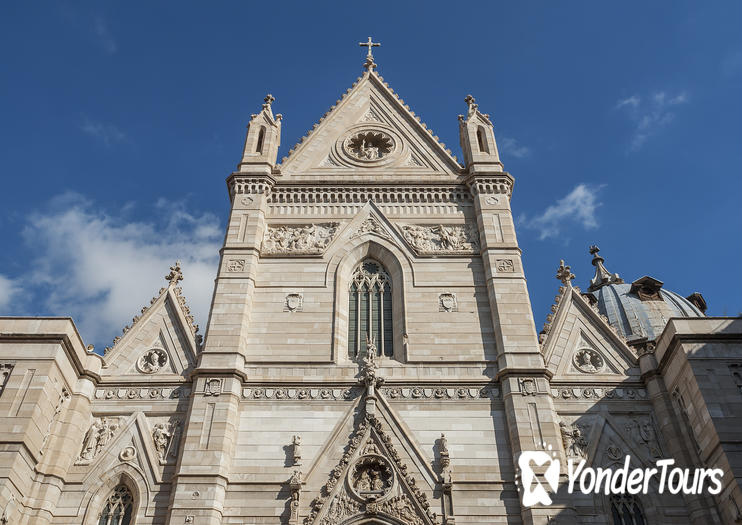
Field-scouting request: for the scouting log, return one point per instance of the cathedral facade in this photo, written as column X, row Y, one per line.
column 370, row 358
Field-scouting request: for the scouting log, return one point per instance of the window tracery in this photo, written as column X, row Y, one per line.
column 370, row 309
column 118, row 508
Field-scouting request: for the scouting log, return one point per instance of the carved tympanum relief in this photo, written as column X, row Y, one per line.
column 371, row 225
column 588, row 361
column 309, row 239
column 97, row 437
column 442, row 238
column 152, row 361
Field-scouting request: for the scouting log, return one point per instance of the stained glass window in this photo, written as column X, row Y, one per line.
column 370, row 309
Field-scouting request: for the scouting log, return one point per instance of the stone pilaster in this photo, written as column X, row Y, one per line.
column 521, row 369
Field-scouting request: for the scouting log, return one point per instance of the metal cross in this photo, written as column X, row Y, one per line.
column 369, row 45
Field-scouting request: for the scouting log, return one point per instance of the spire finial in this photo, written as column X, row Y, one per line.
column 175, row 274
column 602, row 276
column 369, row 64
column 565, row 274
column 472, row 103
column 268, row 101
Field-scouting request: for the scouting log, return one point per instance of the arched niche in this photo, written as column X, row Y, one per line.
column 122, row 474
column 341, row 267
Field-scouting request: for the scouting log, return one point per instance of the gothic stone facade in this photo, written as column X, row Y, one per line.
column 369, row 237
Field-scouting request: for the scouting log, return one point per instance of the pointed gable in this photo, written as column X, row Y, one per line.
column 578, row 344
column 162, row 340
column 370, row 131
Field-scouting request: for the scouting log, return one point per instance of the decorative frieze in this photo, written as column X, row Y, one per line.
column 149, row 393
column 598, row 392
column 442, row 239
column 300, row 392
column 440, row 392
column 299, row 239
column 427, row 194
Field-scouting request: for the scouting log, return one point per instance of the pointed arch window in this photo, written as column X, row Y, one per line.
column 370, row 309
column 119, row 507
column 261, row 139
column 625, row 510
column 482, row 139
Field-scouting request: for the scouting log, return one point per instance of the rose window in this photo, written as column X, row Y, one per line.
column 369, row 145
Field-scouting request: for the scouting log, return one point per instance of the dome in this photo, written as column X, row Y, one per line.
column 641, row 309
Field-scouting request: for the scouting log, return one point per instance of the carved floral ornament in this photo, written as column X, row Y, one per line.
column 369, row 144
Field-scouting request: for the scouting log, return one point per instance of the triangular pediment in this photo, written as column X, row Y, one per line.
column 160, row 343
column 372, row 479
column 129, row 441
column 581, row 346
column 370, row 131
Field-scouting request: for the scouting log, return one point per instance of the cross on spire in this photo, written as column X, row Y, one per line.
column 369, row 64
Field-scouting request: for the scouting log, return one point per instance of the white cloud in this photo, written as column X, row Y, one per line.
column 105, row 38
column 650, row 114
column 101, row 268
column 106, row 133
column 9, row 289
column 578, row 206
column 512, row 147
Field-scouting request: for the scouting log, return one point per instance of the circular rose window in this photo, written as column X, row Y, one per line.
column 369, row 145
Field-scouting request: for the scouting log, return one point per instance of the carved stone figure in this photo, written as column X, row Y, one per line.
column 152, row 361
column 161, row 436
column 452, row 238
column 368, row 145
column 296, row 442
column 643, row 433
column 575, row 445
column 371, row 225
column 303, row 239
column 97, row 437
column 588, row 361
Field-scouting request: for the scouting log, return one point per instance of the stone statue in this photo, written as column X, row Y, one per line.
column 97, row 437
column 161, row 436
column 575, row 445
column 296, row 442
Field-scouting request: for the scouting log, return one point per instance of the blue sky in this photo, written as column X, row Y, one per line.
column 620, row 123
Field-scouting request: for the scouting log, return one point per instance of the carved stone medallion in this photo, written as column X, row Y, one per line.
column 368, row 145
column 371, row 477
column 152, row 361
column 294, row 302
column 588, row 361
column 447, row 302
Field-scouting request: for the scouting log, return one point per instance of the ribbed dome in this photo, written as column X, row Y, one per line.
column 640, row 309
column 635, row 315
